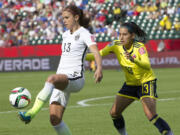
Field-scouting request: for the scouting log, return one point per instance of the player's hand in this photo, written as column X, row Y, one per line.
column 98, row 75
column 128, row 56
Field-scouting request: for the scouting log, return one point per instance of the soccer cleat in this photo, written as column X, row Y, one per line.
column 24, row 118
column 169, row 133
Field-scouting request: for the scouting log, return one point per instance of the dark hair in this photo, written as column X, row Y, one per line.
column 83, row 20
column 134, row 28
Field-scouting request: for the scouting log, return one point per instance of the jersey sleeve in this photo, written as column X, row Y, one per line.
column 143, row 62
column 103, row 52
column 88, row 38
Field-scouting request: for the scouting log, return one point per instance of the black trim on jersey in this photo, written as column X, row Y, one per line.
column 136, row 44
column 83, row 60
column 117, row 42
column 126, row 50
column 81, row 66
column 76, row 78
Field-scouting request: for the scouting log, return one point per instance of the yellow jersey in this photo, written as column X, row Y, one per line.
column 136, row 72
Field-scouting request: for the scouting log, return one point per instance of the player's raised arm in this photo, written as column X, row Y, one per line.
column 144, row 61
column 103, row 52
column 98, row 73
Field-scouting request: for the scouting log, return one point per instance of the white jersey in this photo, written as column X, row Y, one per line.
column 74, row 48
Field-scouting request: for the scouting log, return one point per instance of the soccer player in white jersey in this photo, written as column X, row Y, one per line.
column 69, row 77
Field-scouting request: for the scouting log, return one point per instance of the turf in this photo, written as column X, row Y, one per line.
column 94, row 118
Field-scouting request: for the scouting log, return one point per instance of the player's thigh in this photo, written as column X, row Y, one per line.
column 148, row 98
column 120, row 105
column 149, row 106
column 56, row 111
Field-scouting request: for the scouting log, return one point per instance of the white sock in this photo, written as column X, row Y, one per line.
column 62, row 129
column 122, row 131
column 46, row 92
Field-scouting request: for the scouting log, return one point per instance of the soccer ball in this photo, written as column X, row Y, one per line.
column 20, row 97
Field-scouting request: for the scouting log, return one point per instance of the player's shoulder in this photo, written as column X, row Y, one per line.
column 114, row 42
column 138, row 44
column 140, row 47
column 66, row 33
column 84, row 33
column 83, row 30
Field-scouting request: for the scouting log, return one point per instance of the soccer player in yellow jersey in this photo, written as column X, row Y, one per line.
column 140, row 80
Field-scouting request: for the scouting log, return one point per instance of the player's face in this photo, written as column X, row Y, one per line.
column 125, row 37
column 68, row 19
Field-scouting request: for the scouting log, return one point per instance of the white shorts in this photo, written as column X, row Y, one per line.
column 74, row 85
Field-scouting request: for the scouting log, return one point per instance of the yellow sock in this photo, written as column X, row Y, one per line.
column 41, row 99
column 36, row 108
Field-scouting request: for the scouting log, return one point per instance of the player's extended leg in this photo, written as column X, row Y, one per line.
column 118, row 107
column 56, row 114
column 149, row 105
column 58, row 81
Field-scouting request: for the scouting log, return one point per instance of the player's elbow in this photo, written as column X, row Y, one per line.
column 145, row 67
column 89, row 57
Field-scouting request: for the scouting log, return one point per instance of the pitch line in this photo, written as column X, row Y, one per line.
column 84, row 102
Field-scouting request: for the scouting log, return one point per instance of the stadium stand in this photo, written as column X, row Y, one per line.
column 39, row 22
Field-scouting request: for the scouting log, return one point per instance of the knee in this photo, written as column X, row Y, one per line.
column 55, row 120
column 150, row 116
column 114, row 114
column 51, row 79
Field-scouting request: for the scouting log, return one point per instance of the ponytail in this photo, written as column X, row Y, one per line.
column 83, row 20
column 134, row 28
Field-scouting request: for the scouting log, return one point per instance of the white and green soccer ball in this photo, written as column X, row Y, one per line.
column 20, row 97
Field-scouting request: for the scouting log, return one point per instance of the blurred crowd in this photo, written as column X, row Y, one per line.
column 161, row 10
column 24, row 20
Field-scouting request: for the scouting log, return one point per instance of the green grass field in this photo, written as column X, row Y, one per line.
column 92, row 119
